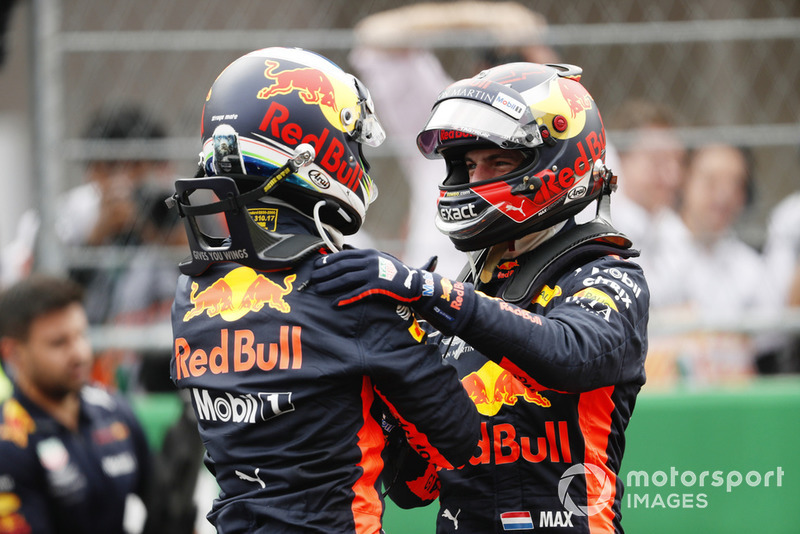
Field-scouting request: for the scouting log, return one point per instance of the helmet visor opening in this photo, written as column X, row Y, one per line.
column 478, row 119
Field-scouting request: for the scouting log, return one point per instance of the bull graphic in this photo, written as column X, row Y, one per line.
column 265, row 291
column 312, row 86
column 213, row 300
column 219, row 297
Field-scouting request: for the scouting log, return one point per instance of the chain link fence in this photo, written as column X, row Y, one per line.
column 730, row 70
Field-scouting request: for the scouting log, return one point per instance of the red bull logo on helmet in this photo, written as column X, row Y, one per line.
column 331, row 153
column 577, row 97
column 451, row 136
column 553, row 184
column 312, row 85
column 315, row 87
column 491, row 387
column 238, row 293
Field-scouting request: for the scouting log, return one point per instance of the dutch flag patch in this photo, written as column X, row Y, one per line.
column 516, row 521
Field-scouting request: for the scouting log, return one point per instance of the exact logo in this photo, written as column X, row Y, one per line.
column 459, row 213
column 596, row 478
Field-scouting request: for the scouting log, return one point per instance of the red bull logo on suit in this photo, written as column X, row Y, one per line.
column 238, row 293
column 492, row 387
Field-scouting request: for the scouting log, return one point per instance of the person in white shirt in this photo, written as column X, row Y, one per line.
column 650, row 174
column 709, row 276
column 782, row 252
column 782, row 248
column 721, row 276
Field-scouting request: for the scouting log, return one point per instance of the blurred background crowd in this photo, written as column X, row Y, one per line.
column 101, row 105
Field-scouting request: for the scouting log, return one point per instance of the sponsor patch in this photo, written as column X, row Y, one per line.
column 18, row 424
column 508, row 105
column 547, row 295
column 597, row 296
column 266, row 218
column 386, row 269
column 416, row 332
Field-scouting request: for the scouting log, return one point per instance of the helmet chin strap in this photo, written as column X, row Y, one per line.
column 333, row 238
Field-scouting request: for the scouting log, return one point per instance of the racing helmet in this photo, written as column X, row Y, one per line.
column 269, row 102
column 541, row 110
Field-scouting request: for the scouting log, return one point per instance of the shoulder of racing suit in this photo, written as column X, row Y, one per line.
column 574, row 245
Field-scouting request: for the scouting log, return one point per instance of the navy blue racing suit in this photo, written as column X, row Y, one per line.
column 555, row 382
column 56, row 481
column 289, row 395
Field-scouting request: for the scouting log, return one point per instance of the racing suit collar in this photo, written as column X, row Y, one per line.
column 532, row 240
column 509, row 250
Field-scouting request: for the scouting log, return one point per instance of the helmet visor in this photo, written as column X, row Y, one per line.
column 476, row 118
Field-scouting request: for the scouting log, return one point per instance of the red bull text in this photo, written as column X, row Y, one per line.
column 238, row 352
column 499, row 444
column 553, row 183
column 330, row 151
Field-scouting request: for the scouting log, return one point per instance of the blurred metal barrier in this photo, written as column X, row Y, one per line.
column 731, row 73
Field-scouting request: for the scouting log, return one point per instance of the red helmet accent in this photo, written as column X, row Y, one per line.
column 542, row 111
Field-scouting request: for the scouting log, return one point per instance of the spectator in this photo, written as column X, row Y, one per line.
column 107, row 208
column 712, row 276
column 16, row 257
column 114, row 207
column 651, row 173
column 549, row 333
column 405, row 82
column 782, row 250
column 306, row 454
column 70, row 454
column 717, row 189
column 120, row 208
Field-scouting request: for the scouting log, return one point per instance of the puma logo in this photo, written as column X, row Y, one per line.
column 454, row 518
column 248, row 478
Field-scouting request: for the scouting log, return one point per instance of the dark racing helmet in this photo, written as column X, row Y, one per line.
column 268, row 103
column 281, row 128
column 541, row 110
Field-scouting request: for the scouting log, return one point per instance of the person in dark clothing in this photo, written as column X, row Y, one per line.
column 291, row 399
column 70, row 454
